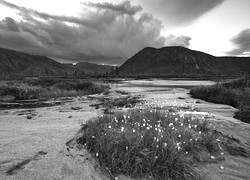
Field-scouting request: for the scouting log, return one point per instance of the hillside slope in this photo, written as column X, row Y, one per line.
column 13, row 63
column 19, row 64
column 181, row 61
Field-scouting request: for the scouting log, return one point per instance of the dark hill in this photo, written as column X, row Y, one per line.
column 14, row 63
column 181, row 61
column 18, row 64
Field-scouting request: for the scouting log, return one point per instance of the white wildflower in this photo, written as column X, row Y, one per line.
column 178, row 146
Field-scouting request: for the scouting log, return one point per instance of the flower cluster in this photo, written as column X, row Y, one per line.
column 152, row 132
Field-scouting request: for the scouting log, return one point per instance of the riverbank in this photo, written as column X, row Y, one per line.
column 37, row 146
column 235, row 93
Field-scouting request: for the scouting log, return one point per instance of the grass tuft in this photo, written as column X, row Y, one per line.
column 144, row 143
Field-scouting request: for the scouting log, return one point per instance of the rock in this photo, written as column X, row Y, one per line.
column 29, row 117
column 76, row 108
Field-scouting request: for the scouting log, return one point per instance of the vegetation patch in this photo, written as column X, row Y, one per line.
column 48, row 88
column 235, row 93
column 150, row 143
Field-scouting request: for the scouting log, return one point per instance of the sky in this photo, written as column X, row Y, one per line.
column 111, row 31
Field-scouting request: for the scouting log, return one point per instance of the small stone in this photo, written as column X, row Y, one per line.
column 29, row 117
column 76, row 108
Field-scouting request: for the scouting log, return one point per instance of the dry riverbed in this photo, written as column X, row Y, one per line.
column 33, row 141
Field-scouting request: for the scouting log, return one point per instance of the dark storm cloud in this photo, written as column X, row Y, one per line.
column 26, row 11
column 242, row 42
column 108, row 33
column 179, row 12
column 124, row 8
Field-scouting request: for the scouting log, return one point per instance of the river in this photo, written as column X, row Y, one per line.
column 34, row 148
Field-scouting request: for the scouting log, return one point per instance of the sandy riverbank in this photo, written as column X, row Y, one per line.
column 32, row 141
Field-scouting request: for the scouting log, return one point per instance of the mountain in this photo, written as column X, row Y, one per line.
column 181, row 61
column 16, row 64
column 85, row 68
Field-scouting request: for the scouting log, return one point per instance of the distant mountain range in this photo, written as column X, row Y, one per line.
column 14, row 63
column 180, row 61
column 151, row 62
column 84, row 68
